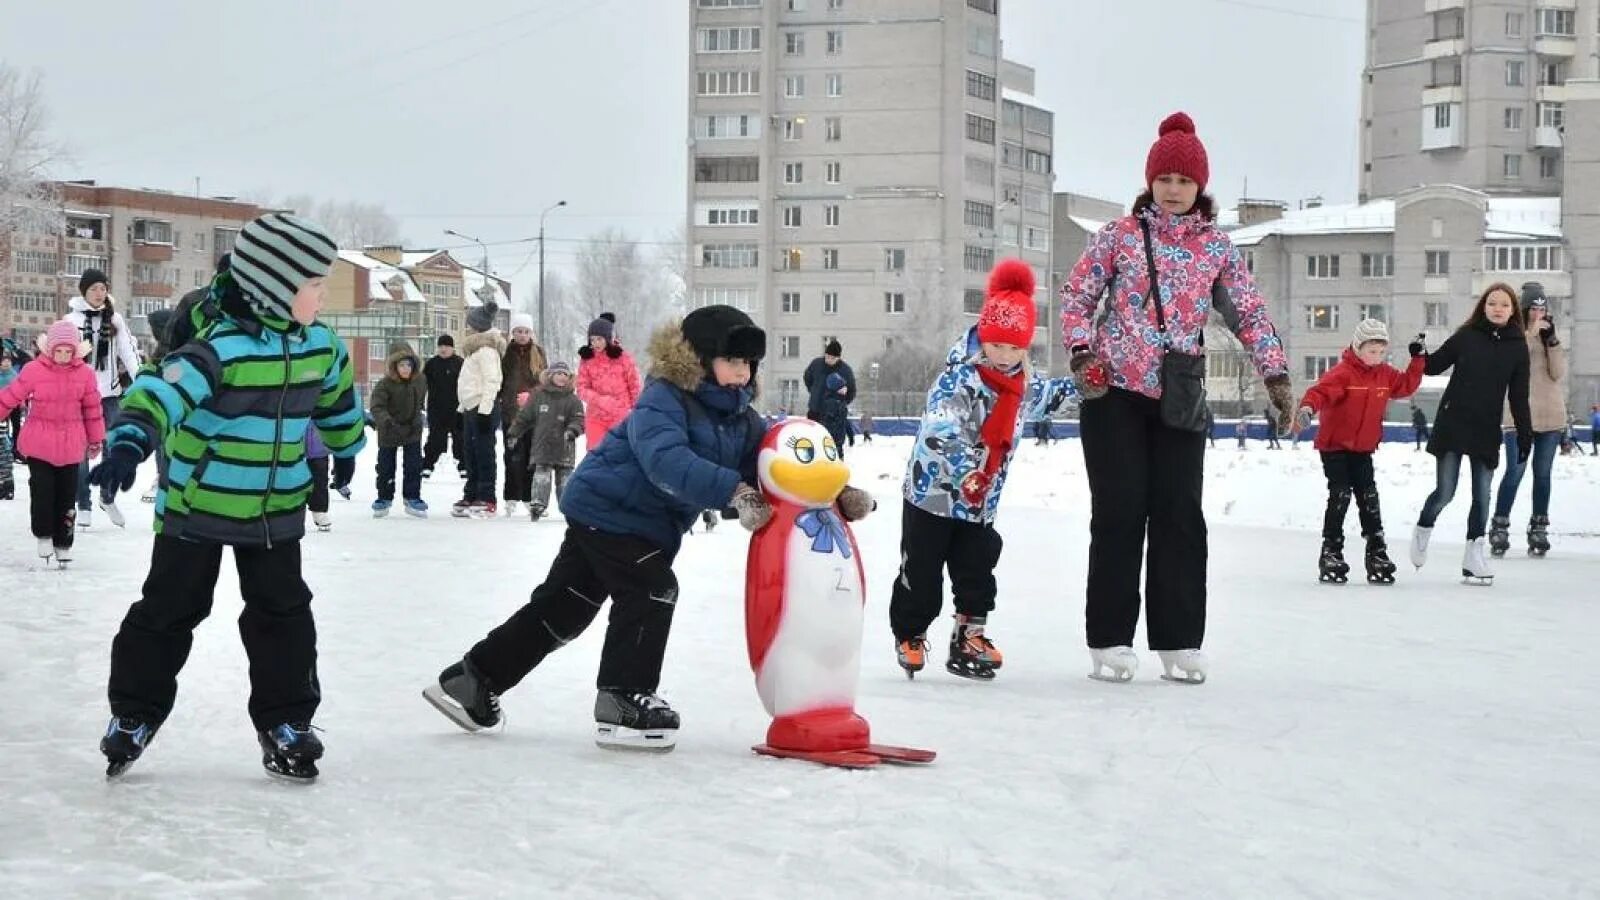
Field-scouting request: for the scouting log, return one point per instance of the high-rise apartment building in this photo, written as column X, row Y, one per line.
column 855, row 168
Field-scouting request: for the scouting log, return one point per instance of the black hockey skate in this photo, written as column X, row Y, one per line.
column 124, row 742
column 972, row 655
column 1538, row 536
column 1380, row 568
column 290, row 752
column 1500, row 536
column 465, row 697
column 1332, row 569
column 634, row 720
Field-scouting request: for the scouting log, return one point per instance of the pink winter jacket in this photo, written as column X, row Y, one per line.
column 608, row 387
column 64, row 418
column 1200, row 270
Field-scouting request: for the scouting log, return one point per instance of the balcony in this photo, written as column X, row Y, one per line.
column 152, row 253
column 1547, row 137
column 1434, row 95
column 152, row 289
column 1563, row 46
column 1441, row 133
column 1433, row 6
column 1440, row 48
column 1550, row 93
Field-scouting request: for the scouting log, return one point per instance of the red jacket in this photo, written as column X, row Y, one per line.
column 1351, row 398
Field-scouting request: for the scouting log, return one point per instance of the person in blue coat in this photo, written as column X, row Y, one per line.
column 690, row 444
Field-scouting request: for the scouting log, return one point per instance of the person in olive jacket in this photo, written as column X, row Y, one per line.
column 396, row 406
column 1488, row 362
column 552, row 419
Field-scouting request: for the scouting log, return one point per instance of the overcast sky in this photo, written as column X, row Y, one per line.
column 477, row 114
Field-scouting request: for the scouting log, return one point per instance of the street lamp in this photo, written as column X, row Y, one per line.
column 542, row 336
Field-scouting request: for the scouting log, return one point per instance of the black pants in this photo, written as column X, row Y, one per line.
column 279, row 634
column 344, row 471
column 444, row 428
column 519, row 483
column 110, row 409
column 410, row 471
column 480, row 431
column 52, row 490
column 928, row 545
column 591, row 566
column 1145, row 481
column 1350, row 475
column 319, row 485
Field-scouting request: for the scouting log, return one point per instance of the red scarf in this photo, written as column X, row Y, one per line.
column 1001, row 426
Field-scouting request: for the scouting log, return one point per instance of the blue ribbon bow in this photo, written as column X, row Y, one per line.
column 826, row 531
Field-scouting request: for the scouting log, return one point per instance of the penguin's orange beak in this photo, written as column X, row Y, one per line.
column 819, row 481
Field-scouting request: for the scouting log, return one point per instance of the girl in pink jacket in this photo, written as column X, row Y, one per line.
column 64, row 422
column 608, row 381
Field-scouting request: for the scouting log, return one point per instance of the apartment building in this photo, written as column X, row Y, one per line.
column 855, row 167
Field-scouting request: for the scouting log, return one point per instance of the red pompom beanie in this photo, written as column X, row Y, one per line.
column 1178, row 151
column 1008, row 314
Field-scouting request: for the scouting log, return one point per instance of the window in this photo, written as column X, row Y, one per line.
column 1513, row 118
column 150, row 231
column 980, row 129
column 1374, row 311
column 1513, row 165
column 739, row 298
column 729, row 82
column 980, row 170
column 982, row 5
column 1010, row 155
column 1010, row 233
column 791, row 302
column 830, row 303
column 835, row 83
column 835, row 5
column 833, row 128
column 1441, row 114
column 1249, row 261
column 797, row 5
column 33, row 301
column 831, row 172
column 1010, row 114
column 830, row 258
column 794, row 129
column 830, row 215
column 442, row 290
column 1552, row 115
column 1436, row 314
column 731, row 215
column 1317, row 366
column 199, row 277
column 727, row 4
column 980, row 39
column 792, row 258
column 1514, row 72
column 1558, row 22
column 894, row 302
column 1377, row 265
column 1040, row 121
column 794, row 86
column 1513, row 24
column 1549, row 167
column 793, row 173
column 791, row 217
column 716, row 169
column 972, row 302
column 735, row 126
column 77, row 264
column 1522, row 258
column 1438, row 262
column 978, row 215
column 980, row 86
column 222, row 240
column 1552, row 74
column 1448, row 25
column 794, row 43
column 1446, row 72
column 376, row 351
column 835, row 42
column 894, row 259
column 200, row 242
column 790, row 394
column 1322, row 266
column 729, row 256
column 1035, row 238
column 789, row 346
column 1322, row 317
column 728, row 40
column 1036, row 162
column 150, row 273
column 977, row 259
column 1036, row 201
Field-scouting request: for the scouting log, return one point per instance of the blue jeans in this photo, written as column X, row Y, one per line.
column 1448, row 472
column 110, row 407
column 411, row 472
column 1545, row 444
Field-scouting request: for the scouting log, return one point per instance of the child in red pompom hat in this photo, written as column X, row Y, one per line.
column 958, row 466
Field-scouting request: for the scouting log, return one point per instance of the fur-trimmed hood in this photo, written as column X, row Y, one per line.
column 674, row 361
column 398, row 351
column 476, row 341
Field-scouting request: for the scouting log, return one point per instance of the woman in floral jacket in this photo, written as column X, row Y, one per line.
column 1145, row 474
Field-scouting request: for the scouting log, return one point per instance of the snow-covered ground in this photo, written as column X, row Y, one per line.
column 1422, row 740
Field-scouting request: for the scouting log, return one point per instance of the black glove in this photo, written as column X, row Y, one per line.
column 1524, row 446
column 118, row 470
column 1418, row 347
column 1547, row 336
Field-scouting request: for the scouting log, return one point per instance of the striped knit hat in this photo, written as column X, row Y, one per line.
column 275, row 255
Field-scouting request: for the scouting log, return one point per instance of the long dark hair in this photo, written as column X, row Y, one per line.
column 1204, row 204
column 1480, row 319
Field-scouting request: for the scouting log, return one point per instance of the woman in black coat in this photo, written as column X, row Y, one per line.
column 1489, row 362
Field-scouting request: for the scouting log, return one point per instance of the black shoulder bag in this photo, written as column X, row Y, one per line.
column 1183, row 376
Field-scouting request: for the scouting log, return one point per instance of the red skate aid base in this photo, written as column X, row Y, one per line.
column 833, row 737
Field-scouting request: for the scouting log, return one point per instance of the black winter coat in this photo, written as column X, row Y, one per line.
column 816, row 382
column 442, row 375
column 1490, row 368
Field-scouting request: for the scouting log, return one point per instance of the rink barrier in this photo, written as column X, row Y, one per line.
column 1396, row 432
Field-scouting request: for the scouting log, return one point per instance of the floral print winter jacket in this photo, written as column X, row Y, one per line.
column 1200, row 271
column 949, row 444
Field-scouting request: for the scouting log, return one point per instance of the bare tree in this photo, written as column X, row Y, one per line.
column 29, row 199
column 352, row 223
column 906, row 369
column 616, row 276
column 565, row 322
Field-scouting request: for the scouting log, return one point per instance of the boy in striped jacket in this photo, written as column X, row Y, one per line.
column 231, row 409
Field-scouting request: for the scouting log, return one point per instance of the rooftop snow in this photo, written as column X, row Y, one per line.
column 1508, row 218
column 1016, row 96
column 381, row 273
column 1090, row 225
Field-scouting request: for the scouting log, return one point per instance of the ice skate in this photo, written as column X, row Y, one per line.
column 1380, row 568
column 1419, row 546
column 427, row 472
column 1184, row 666
column 636, row 720
column 485, row 510
column 124, row 742
column 149, row 496
column 322, row 520
column 343, row 490
column 535, row 512
column 1499, row 536
column 461, row 509
column 912, row 654
column 465, row 697
column 972, row 655
column 380, row 508
column 1475, row 564
column 83, row 519
column 513, row 508
column 46, row 548
column 1332, row 569
column 1538, row 536
column 63, row 555
column 109, row 507
column 1121, row 662
column 416, row 508
column 289, row 752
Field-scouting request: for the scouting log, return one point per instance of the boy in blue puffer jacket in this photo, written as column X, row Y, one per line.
column 690, row 444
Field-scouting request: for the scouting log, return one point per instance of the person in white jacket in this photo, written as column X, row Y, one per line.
column 479, row 393
column 114, row 356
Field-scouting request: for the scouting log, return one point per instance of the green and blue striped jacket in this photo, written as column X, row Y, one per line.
column 231, row 408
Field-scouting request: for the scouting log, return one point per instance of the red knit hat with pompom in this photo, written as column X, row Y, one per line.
column 1008, row 314
column 1178, row 151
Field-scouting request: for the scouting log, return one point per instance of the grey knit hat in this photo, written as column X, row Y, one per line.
column 1370, row 330
column 481, row 318
column 273, row 258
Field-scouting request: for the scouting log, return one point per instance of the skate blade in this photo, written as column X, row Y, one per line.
column 839, row 759
column 1334, row 579
column 615, row 737
column 1185, row 678
column 1114, row 678
column 290, row 775
column 117, row 768
column 1380, row 579
column 1477, row 580
column 441, row 701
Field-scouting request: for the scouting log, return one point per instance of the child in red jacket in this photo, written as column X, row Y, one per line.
column 1350, row 399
